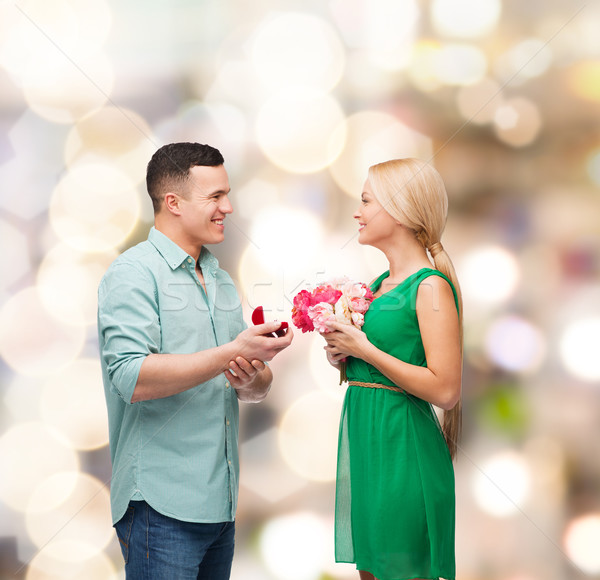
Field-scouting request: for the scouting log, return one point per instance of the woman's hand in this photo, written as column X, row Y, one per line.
column 343, row 340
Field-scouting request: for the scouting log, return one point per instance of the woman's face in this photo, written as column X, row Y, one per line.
column 375, row 224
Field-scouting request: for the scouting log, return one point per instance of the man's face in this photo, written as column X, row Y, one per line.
column 205, row 205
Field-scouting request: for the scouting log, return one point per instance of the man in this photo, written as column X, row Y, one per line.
column 176, row 357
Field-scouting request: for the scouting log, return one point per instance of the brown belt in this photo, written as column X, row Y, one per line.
column 375, row 386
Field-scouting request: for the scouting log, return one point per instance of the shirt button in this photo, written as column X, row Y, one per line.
column 183, row 265
column 229, row 462
column 228, row 422
column 190, row 260
column 226, row 385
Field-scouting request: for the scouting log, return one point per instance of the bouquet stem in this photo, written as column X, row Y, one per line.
column 343, row 377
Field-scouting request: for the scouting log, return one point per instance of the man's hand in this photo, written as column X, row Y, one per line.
column 252, row 344
column 248, row 374
column 251, row 380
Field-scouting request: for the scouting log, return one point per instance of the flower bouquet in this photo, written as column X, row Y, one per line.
column 340, row 300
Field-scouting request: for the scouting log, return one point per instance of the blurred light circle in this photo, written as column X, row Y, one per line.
column 254, row 196
column 518, row 122
column 489, row 274
column 299, row 538
column 584, row 79
column 73, row 404
column 322, row 373
column 285, row 237
column 385, row 30
column 82, row 517
column 530, row 58
column 65, row 93
column 218, row 121
column 296, row 130
column 503, row 484
column 581, row 542
column 548, row 461
column 373, row 137
column 460, row 64
column 422, row 68
column 390, row 31
column 506, row 117
column 593, row 167
column 32, row 341
column 232, row 73
column 515, row 344
column 116, row 134
column 32, row 166
column 42, row 33
column 21, row 398
column 67, row 283
column 294, row 49
column 94, row 207
column 478, row 102
column 15, row 263
column 70, row 561
column 579, row 348
column 308, row 436
column 261, row 284
column 30, row 453
column 464, row 18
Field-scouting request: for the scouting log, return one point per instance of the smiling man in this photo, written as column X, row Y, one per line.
column 176, row 358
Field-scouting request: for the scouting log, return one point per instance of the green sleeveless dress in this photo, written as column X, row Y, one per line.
column 394, row 511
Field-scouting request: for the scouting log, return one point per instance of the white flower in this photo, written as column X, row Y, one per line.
column 342, row 310
column 358, row 319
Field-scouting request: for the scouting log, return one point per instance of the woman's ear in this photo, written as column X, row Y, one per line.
column 172, row 203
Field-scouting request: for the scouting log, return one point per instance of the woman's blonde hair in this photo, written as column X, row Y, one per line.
column 413, row 193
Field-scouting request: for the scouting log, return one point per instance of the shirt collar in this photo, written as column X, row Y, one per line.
column 175, row 256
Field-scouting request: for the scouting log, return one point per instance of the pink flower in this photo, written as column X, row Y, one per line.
column 321, row 314
column 302, row 302
column 354, row 289
column 360, row 305
column 341, row 300
column 326, row 293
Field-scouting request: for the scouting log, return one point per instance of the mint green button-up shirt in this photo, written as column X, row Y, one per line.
column 179, row 453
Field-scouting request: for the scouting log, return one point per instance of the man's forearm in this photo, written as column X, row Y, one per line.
column 163, row 375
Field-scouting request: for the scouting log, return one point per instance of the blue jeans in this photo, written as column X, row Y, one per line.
column 156, row 547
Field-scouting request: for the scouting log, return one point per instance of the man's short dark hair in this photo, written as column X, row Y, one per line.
column 169, row 168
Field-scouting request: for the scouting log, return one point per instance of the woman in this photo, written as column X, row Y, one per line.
column 395, row 481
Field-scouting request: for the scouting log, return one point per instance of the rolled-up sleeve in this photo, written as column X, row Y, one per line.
column 128, row 326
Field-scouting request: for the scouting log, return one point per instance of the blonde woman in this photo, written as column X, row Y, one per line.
column 395, row 482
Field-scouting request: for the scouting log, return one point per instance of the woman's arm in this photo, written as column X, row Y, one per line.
column 440, row 382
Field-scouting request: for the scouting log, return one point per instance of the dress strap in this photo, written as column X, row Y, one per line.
column 375, row 386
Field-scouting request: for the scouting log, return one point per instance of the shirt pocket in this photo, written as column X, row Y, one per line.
column 185, row 320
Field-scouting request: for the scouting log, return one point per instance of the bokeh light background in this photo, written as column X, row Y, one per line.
column 301, row 97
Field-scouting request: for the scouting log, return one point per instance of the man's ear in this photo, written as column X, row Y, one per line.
column 171, row 202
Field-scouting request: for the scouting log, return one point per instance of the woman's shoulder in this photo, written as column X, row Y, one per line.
column 436, row 286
